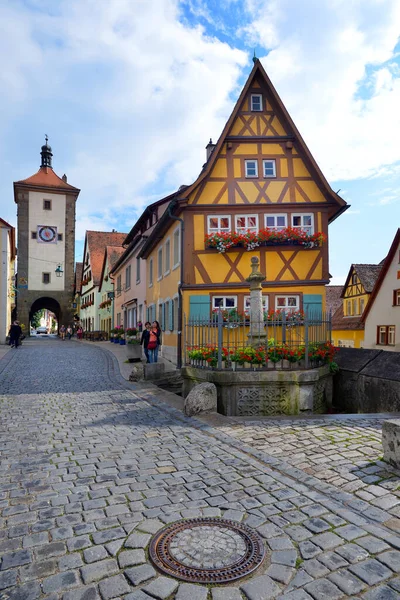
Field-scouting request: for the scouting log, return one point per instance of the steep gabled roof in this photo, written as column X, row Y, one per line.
column 382, row 274
column 46, row 177
column 111, row 254
column 367, row 274
column 333, row 299
column 97, row 241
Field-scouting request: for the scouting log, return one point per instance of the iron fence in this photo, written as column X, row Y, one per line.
column 280, row 341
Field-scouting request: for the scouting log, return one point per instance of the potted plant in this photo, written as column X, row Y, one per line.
column 133, row 346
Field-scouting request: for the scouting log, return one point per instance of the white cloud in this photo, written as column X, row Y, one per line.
column 338, row 280
column 321, row 59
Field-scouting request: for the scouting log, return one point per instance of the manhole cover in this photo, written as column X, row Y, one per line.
column 207, row 550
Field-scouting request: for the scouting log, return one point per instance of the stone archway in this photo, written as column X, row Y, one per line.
column 48, row 303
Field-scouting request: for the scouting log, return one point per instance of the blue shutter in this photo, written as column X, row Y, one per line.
column 163, row 316
column 312, row 305
column 147, row 315
column 171, row 314
column 199, row 307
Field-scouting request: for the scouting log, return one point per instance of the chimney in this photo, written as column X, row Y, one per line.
column 64, row 178
column 209, row 148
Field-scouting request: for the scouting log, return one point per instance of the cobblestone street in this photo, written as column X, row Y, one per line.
column 91, row 467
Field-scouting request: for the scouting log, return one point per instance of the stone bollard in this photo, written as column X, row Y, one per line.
column 201, row 399
column 391, row 442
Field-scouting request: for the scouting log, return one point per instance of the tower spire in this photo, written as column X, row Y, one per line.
column 46, row 154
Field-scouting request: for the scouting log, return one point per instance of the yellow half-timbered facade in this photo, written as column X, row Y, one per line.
column 260, row 193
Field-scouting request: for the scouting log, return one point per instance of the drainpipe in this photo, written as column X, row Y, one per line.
column 171, row 206
column 112, row 303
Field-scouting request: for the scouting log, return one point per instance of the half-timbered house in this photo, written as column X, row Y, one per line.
column 260, row 193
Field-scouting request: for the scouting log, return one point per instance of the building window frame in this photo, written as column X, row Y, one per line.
column 256, row 102
column 137, row 269
column 276, row 216
column 386, row 335
column 272, row 167
column 252, row 228
column 214, row 224
column 176, row 247
column 59, row 237
column 167, row 257
column 151, row 274
column 246, row 303
column 396, row 297
column 128, row 277
column 46, row 278
column 160, row 263
column 251, row 168
column 34, row 235
column 47, row 204
column 309, row 229
column 119, row 285
column 288, row 305
column 227, row 302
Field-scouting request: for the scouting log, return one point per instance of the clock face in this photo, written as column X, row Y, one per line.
column 47, row 234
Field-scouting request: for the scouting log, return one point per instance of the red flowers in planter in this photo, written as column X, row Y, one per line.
column 222, row 241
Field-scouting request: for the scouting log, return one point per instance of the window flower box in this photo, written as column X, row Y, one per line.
column 223, row 241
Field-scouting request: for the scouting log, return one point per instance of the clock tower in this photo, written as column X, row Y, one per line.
column 46, row 242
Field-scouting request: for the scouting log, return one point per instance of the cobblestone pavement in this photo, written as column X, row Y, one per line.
column 86, row 479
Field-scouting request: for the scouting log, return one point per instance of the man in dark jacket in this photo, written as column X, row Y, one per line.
column 145, row 339
column 15, row 334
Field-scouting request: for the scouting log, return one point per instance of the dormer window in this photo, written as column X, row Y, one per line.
column 256, row 102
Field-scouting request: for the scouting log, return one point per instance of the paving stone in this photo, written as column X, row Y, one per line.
column 37, row 570
column 114, row 587
column 226, row 593
column 94, row 554
column 61, row 582
column 70, row 561
column 138, row 540
column 102, row 537
column 284, row 557
column 391, row 559
column 350, row 532
column 282, row 543
column 382, row 592
column 150, row 526
column 352, row 552
column 300, row 579
column 15, row 559
column 372, row 544
column 260, row 588
column 140, row 574
column 161, row 588
column 332, row 560
column 280, row 573
column 37, row 539
column 371, row 571
column 348, row 583
column 296, row 595
column 99, row 570
column 131, row 558
column 188, row 591
column 327, row 541
column 50, row 550
column 26, row 591
column 78, row 543
column 308, row 550
column 137, row 595
column 84, row 593
column 315, row 568
column 323, row 589
column 114, row 547
column 8, row 579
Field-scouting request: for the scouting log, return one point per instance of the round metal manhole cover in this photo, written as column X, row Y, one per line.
column 207, row 550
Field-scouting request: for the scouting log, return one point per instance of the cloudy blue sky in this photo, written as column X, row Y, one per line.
column 130, row 91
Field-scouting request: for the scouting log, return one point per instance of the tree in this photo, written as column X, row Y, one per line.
column 35, row 321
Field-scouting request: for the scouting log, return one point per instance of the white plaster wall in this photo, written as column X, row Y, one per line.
column 5, row 259
column 382, row 311
column 44, row 257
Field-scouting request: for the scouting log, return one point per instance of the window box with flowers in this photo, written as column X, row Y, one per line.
column 223, row 241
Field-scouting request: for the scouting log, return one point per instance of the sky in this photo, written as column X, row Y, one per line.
column 130, row 91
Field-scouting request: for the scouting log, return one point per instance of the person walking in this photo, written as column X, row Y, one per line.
column 69, row 332
column 144, row 340
column 79, row 333
column 154, row 341
column 15, row 334
column 62, row 332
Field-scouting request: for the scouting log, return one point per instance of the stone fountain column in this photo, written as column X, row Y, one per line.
column 257, row 334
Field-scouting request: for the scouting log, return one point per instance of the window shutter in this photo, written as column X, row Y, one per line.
column 163, row 316
column 199, row 307
column 171, row 315
column 312, row 305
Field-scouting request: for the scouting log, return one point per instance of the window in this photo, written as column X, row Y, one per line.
column 119, row 285
column 224, row 302
column 251, row 167
column 141, row 313
column 256, row 102
column 159, row 264
column 353, row 279
column 269, row 167
column 137, row 270
column 34, row 235
column 346, row 343
column 287, row 303
column 60, row 237
column 362, row 305
column 245, row 223
column 396, row 298
column 247, row 304
column 167, row 257
column 46, row 204
column 128, row 277
column 354, row 307
column 386, row 335
column 218, row 224
column 150, row 272
column 166, row 315
column 177, row 247
column 277, row 222
column 46, row 277
column 304, row 222
column 348, row 308
column 118, row 319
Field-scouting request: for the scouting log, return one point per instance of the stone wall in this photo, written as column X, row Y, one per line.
column 368, row 381
column 251, row 393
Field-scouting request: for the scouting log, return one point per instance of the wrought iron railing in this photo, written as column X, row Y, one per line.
column 281, row 341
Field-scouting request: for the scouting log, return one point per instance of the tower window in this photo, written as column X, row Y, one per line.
column 46, row 277
column 46, row 204
column 60, row 237
column 34, row 235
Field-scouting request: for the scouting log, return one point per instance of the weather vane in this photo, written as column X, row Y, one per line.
column 46, row 137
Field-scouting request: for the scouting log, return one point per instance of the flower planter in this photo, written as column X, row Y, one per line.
column 133, row 352
column 122, row 342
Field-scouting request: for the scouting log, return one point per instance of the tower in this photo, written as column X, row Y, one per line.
column 46, row 242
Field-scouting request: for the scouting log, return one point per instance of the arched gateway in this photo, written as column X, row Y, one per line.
column 46, row 243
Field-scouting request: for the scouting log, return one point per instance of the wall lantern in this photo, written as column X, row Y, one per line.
column 59, row 271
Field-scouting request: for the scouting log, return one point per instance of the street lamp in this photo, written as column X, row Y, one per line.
column 59, row 271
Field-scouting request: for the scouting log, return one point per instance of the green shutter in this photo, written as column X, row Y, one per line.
column 312, row 305
column 199, row 307
column 171, row 314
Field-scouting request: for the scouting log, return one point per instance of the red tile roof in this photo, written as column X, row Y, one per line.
column 113, row 253
column 333, row 299
column 339, row 321
column 46, row 177
column 97, row 242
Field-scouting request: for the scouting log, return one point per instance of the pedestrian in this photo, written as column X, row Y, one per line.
column 69, row 332
column 144, row 340
column 79, row 333
column 154, row 341
column 62, row 332
column 15, row 334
